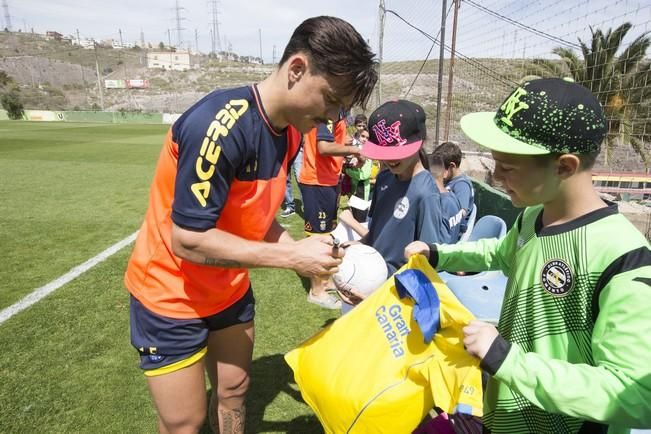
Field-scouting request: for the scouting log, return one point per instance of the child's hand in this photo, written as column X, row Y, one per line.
column 415, row 248
column 346, row 292
column 478, row 338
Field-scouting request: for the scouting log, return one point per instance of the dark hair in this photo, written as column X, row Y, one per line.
column 359, row 133
column 435, row 163
column 360, row 118
column 424, row 158
column 335, row 48
column 449, row 153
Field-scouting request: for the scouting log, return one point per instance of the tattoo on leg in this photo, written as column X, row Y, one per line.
column 213, row 418
column 232, row 420
column 226, row 263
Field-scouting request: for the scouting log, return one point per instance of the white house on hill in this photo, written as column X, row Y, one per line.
column 171, row 60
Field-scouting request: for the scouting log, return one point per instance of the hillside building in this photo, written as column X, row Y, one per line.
column 169, row 60
column 49, row 35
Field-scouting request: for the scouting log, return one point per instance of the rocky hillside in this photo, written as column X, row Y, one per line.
column 56, row 75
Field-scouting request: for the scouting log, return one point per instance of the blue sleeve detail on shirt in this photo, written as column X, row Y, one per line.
column 324, row 134
column 415, row 284
column 188, row 210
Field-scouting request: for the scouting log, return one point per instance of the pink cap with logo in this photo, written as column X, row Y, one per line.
column 396, row 131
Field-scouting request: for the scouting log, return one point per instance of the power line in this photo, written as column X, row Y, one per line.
column 216, row 38
column 496, row 75
column 523, row 26
column 422, row 66
column 439, row 89
column 525, row 6
column 179, row 29
column 5, row 6
column 99, row 80
column 124, row 64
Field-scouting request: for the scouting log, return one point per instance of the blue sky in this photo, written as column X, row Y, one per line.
column 479, row 33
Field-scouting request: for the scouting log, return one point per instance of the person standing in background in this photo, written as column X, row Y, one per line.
column 456, row 181
column 289, row 204
column 406, row 203
column 324, row 150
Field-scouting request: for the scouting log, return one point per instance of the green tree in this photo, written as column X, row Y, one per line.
column 10, row 99
column 620, row 81
column 11, row 102
column 5, row 79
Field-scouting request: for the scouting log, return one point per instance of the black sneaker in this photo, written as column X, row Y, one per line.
column 287, row 212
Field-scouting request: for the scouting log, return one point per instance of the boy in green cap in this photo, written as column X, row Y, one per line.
column 572, row 351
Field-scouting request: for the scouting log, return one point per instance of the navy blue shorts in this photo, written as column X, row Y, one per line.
column 319, row 208
column 169, row 344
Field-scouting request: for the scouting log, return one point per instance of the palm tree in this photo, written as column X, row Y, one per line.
column 621, row 82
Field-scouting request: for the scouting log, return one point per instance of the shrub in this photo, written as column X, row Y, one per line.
column 11, row 102
column 5, row 78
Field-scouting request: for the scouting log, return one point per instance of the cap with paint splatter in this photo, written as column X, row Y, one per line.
column 550, row 115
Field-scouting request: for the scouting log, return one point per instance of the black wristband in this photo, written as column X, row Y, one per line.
column 496, row 355
column 433, row 255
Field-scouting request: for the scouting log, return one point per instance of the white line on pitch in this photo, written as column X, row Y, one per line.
column 44, row 291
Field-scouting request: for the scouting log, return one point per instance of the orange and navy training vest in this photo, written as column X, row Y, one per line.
column 320, row 169
column 222, row 165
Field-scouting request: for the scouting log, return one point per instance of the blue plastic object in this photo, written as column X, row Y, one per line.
column 489, row 226
column 482, row 293
column 416, row 285
column 471, row 224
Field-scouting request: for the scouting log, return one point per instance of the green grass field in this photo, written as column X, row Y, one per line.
column 69, row 191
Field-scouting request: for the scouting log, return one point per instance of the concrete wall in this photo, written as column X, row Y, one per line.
column 170, row 118
column 42, row 115
column 114, row 117
column 96, row 117
column 493, row 202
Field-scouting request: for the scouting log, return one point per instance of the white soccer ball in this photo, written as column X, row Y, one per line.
column 362, row 269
